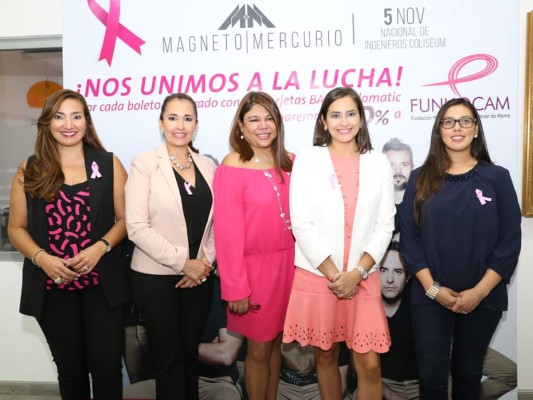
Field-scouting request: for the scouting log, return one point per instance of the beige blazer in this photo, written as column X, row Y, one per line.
column 154, row 214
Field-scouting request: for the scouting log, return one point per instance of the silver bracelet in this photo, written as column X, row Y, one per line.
column 433, row 290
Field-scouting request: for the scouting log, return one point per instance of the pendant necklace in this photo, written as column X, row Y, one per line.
column 282, row 213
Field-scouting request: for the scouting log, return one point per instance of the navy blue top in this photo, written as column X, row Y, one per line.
column 470, row 225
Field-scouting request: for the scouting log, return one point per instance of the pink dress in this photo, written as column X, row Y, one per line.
column 255, row 248
column 316, row 315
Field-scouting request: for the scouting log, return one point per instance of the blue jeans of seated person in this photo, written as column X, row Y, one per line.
column 85, row 337
column 435, row 328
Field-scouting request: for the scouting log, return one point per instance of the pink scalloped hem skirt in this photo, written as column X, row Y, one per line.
column 318, row 317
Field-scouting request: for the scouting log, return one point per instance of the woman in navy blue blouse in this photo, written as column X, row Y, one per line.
column 460, row 237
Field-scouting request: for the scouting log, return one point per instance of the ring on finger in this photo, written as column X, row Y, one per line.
column 58, row 280
column 85, row 268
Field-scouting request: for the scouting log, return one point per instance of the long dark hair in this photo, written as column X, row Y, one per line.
column 322, row 137
column 437, row 162
column 43, row 177
column 180, row 96
column 282, row 161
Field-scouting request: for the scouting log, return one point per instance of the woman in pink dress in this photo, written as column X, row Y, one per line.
column 342, row 209
column 253, row 237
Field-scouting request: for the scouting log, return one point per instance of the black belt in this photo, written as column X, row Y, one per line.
column 299, row 379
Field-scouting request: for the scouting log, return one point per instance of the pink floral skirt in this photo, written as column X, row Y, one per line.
column 318, row 317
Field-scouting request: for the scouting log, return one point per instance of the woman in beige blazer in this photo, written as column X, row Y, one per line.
column 169, row 218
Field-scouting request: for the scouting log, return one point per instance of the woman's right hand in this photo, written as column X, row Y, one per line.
column 56, row 267
column 197, row 269
column 238, row 307
column 345, row 284
column 447, row 297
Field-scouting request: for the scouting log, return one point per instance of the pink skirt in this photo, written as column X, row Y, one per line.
column 318, row 317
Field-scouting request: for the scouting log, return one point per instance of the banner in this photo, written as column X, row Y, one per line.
column 405, row 58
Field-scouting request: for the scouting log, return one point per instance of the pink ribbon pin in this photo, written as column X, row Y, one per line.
column 334, row 182
column 188, row 187
column 482, row 199
column 113, row 30
column 96, row 171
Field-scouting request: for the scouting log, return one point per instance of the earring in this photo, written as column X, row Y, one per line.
column 325, row 128
column 242, row 137
column 475, row 136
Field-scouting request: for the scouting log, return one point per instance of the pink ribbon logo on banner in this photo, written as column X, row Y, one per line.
column 453, row 75
column 113, row 30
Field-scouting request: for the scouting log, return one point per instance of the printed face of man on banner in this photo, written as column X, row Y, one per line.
column 400, row 157
column 393, row 277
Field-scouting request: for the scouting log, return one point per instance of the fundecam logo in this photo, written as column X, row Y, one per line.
column 113, row 30
column 480, row 102
column 491, row 64
column 246, row 16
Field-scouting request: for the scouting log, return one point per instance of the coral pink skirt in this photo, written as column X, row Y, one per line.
column 318, row 317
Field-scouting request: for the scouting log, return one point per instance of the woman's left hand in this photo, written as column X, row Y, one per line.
column 186, row 283
column 345, row 284
column 468, row 300
column 87, row 259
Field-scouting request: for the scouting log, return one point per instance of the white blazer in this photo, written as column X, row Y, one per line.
column 317, row 210
column 154, row 214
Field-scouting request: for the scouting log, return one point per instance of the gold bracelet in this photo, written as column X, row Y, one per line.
column 35, row 255
column 38, row 258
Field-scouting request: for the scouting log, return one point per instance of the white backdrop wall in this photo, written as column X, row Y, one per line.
column 24, row 354
column 26, row 18
column 20, row 336
column 523, row 277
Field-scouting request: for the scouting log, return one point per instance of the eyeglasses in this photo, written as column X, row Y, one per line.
column 464, row 122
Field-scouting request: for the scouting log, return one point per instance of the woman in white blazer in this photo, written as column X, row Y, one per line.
column 342, row 211
column 169, row 218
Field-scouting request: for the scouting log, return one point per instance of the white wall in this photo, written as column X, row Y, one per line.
column 24, row 353
column 525, row 291
column 28, row 24
column 22, row 18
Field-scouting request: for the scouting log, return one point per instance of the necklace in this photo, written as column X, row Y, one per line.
column 178, row 165
column 282, row 213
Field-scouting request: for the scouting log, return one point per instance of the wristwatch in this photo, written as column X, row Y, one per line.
column 107, row 245
column 362, row 271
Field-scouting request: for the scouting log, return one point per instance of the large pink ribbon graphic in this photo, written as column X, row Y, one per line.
column 453, row 79
column 113, row 30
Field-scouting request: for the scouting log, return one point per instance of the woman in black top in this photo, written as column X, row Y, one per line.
column 67, row 216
